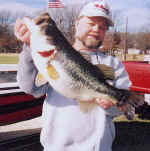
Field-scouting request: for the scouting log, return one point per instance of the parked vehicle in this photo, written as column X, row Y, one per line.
column 139, row 73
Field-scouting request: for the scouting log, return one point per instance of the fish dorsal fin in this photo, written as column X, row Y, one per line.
column 40, row 80
column 107, row 70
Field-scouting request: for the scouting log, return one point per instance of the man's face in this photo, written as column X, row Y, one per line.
column 91, row 31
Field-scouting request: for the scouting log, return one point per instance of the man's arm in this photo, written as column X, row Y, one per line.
column 27, row 71
column 26, row 74
column 121, row 80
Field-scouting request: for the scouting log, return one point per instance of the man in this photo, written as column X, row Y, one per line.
column 65, row 127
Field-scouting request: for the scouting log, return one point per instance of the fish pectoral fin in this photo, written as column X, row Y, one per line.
column 108, row 71
column 52, row 73
column 86, row 106
column 40, row 80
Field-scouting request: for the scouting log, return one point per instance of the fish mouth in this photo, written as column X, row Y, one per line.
column 46, row 54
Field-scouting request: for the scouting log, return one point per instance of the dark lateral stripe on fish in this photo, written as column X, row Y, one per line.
column 46, row 53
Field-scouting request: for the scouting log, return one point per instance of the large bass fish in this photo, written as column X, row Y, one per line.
column 68, row 72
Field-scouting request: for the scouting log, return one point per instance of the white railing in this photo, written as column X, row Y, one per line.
column 8, row 67
column 10, row 87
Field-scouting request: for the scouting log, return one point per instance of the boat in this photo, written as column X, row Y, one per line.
column 139, row 74
column 16, row 106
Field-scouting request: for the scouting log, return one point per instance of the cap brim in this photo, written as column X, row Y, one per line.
column 94, row 14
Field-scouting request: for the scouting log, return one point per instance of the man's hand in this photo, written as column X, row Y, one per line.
column 21, row 31
column 127, row 109
column 105, row 104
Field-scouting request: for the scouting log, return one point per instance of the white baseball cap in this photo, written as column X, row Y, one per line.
column 97, row 8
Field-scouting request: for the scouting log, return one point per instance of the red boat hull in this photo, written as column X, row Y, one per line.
column 139, row 73
column 16, row 107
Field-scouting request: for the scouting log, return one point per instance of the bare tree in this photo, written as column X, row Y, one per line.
column 118, row 21
column 65, row 19
column 143, row 41
column 8, row 42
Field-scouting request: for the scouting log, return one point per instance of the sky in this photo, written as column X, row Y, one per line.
column 137, row 12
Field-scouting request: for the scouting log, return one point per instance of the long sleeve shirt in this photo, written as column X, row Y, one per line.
column 65, row 127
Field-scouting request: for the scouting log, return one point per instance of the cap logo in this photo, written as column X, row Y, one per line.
column 102, row 7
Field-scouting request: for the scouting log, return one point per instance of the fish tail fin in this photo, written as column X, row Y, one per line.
column 129, row 101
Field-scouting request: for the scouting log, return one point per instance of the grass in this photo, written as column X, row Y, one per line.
column 8, row 58
column 132, row 135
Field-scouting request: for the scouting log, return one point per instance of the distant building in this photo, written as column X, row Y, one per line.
column 134, row 51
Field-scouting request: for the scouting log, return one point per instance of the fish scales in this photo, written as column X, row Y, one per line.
column 83, row 72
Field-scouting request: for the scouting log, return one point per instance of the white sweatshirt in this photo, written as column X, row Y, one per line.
column 65, row 127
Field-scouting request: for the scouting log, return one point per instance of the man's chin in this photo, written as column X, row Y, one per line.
column 92, row 45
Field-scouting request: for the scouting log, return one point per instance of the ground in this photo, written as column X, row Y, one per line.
column 132, row 135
